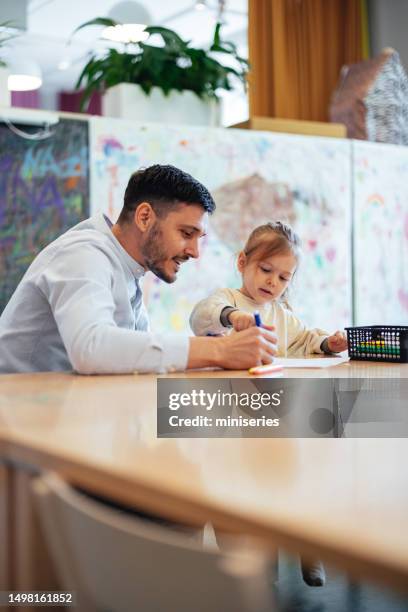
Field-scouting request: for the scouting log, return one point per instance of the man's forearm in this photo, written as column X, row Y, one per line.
column 204, row 352
column 107, row 349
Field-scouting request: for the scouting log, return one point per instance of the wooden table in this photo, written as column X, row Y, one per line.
column 343, row 500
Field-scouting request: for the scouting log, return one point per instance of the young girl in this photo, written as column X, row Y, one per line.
column 267, row 265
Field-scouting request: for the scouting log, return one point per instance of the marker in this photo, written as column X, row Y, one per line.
column 269, row 368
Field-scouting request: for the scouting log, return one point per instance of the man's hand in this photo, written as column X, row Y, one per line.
column 241, row 320
column 337, row 342
column 245, row 349
column 240, row 351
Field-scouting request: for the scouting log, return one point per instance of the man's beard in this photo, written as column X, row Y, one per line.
column 155, row 255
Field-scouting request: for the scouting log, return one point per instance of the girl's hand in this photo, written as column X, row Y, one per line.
column 241, row 320
column 337, row 342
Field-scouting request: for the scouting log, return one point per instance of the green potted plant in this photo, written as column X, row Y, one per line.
column 173, row 82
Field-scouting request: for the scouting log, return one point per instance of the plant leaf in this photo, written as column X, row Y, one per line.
column 169, row 36
column 99, row 21
column 217, row 37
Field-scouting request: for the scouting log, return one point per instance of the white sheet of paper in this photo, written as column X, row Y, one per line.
column 311, row 362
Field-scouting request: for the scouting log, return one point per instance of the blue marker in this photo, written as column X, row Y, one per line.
column 258, row 321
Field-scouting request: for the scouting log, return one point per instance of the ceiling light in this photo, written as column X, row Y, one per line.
column 132, row 20
column 25, row 75
column 200, row 5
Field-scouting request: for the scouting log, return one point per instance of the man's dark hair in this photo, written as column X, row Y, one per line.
column 164, row 187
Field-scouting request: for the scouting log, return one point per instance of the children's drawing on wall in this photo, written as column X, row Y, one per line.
column 254, row 198
column 44, row 190
column 381, row 233
column 253, row 177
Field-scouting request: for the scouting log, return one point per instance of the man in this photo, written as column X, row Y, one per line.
column 79, row 306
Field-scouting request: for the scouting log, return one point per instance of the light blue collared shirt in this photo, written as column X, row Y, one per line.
column 79, row 306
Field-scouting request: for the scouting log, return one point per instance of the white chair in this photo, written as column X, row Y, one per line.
column 116, row 562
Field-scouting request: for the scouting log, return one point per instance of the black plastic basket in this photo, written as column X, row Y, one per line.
column 378, row 343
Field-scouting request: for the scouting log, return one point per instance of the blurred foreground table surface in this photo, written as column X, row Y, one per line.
column 342, row 500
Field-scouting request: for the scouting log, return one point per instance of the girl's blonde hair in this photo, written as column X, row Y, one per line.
column 271, row 239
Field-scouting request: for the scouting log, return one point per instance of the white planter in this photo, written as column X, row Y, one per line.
column 128, row 101
column 5, row 95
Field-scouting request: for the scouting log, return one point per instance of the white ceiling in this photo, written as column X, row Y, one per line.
column 51, row 22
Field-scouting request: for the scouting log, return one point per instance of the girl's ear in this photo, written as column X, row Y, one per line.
column 241, row 261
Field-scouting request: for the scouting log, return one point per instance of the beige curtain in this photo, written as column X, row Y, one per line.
column 296, row 51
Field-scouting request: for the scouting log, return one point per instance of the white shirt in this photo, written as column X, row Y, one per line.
column 294, row 339
column 79, row 306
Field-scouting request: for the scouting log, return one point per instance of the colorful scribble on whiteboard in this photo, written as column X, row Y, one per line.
column 44, row 190
column 254, row 177
column 381, row 233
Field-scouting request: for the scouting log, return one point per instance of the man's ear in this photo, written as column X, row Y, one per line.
column 241, row 261
column 144, row 216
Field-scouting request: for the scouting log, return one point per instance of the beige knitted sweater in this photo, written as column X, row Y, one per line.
column 294, row 339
